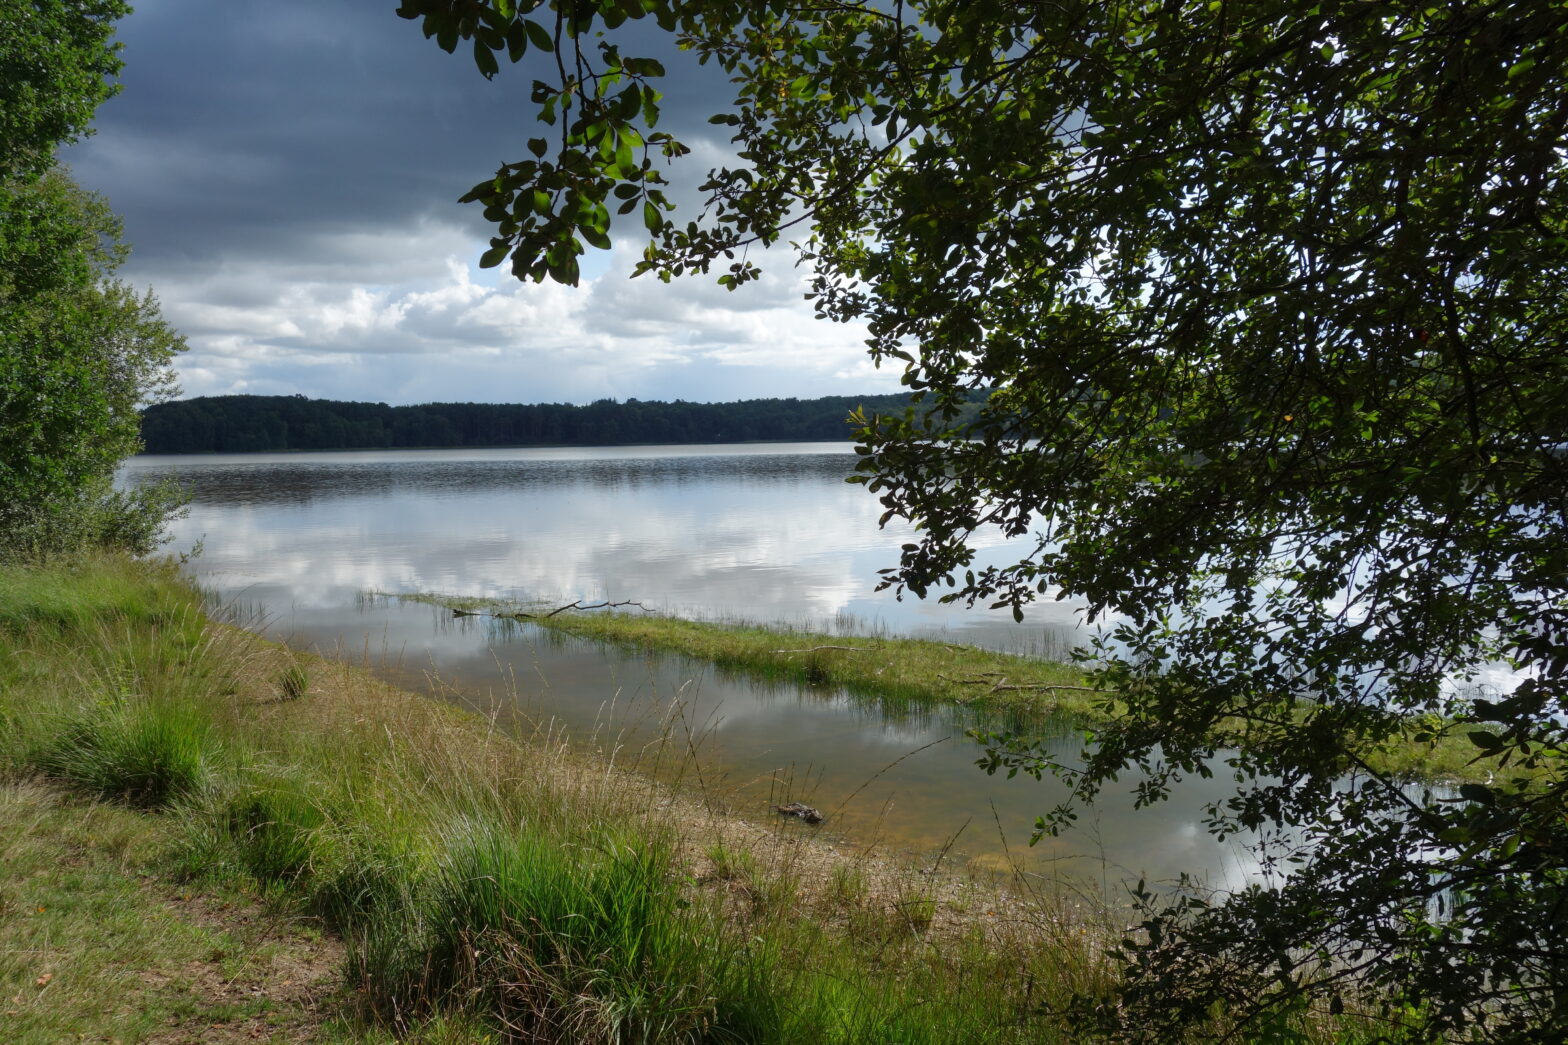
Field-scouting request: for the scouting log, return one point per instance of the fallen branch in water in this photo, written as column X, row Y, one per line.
column 578, row 605
column 813, row 649
column 1000, row 685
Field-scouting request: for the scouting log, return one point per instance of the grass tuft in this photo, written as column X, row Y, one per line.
column 589, row 937
column 293, row 682
column 272, row 830
column 146, row 753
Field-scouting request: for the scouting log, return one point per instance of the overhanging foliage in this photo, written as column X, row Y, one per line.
column 1273, row 300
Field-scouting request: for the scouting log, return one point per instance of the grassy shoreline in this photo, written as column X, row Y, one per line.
column 210, row 837
column 482, row 887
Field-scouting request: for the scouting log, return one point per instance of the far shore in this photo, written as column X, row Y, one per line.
column 846, row 442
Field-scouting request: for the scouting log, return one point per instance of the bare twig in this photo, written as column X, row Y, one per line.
column 580, row 605
column 813, row 649
column 1000, row 683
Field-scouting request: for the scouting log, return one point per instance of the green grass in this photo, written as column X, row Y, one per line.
column 143, row 752
column 481, row 887
column 97, row 943
column 75, row 596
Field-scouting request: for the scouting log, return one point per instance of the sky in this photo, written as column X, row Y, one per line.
column 288, row 174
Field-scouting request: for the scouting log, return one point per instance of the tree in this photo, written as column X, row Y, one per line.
column 1271, row 300
column 57, row 61
column 79, row 351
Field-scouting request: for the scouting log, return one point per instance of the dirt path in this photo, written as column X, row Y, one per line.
column 100, row 941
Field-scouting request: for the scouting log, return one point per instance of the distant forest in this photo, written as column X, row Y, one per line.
column 244, row 423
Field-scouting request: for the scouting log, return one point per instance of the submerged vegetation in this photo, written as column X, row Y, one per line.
column 1029, row 695
column 881, row 666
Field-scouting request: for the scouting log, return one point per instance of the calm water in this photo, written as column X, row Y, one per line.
column 765, row 532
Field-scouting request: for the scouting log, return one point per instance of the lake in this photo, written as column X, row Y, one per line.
column 307, row 546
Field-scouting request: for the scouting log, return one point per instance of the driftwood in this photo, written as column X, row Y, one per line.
column 813, row 649
column 579, row 605
column 809, row 814
column 999, row 685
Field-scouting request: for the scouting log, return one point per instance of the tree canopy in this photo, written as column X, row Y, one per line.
column 1273, row 298
column 79, row 350
column 57, row 63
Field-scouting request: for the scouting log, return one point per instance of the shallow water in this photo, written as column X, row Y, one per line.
column 764, row 532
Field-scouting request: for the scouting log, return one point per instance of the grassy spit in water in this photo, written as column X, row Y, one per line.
column 1021, row 690
column 887, row 668
column 207, row 837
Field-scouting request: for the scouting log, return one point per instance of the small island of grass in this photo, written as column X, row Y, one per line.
column 1024, row 693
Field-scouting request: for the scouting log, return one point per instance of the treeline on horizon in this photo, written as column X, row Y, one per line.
column 252, row 423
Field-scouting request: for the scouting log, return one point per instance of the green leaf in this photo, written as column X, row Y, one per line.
column 538, row 35
column 1477, row 793
column 484, row 58
column 495, row 255
column 516, row 41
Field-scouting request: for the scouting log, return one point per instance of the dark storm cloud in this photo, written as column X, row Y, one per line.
column 288, row 174
column 256, row 124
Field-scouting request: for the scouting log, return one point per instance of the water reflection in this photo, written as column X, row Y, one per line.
column 764, row 532
column 768, row 533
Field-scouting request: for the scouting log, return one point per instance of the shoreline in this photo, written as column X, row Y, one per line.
column 848, row 442
column 380, row 815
